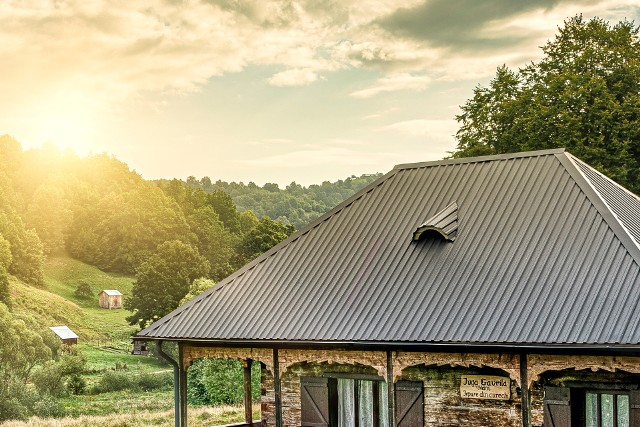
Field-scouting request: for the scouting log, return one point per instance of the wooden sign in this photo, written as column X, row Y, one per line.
column 485, row 387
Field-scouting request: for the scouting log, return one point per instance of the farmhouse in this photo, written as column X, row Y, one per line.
column 489, row 291
column 110, row 298
column 65, row 334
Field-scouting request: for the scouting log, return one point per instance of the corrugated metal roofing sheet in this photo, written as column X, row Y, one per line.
column 63, row 332
column 538, row 259
column 112, row 292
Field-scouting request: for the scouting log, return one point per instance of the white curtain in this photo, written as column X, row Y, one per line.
column 346, row 403
column 365, row 403
column 383, row 404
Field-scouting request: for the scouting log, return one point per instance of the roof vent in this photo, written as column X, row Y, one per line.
column 445, row 223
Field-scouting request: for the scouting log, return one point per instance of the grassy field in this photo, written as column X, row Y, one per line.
column 63, row 274
column 57, row 304
column 197, row 417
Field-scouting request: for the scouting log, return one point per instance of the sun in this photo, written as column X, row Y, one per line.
column 66, row 121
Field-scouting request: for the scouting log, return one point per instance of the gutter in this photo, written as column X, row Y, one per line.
column 176, row 382
column 458, row 347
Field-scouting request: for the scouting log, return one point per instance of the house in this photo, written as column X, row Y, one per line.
column 490, row 291
column 65, row 334
column 110, row 298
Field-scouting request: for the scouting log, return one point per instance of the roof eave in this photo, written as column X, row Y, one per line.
column 448, row 347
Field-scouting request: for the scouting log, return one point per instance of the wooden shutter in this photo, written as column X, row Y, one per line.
column 314, row 401
column 634, row 408
column 409, row 404
column 557, row 407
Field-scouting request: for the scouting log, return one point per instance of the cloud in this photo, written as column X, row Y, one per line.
column 465, row 24
column 439, row 129
column 294, row 77
column 394, row 83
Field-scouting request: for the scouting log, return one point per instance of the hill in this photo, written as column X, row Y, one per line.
column 294, row 204
column 58, row 305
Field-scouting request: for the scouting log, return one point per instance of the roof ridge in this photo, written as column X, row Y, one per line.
column 479, row 159
column 608, row 214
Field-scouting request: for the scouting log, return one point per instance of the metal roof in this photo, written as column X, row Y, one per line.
column 112, row 292
column 444, row 223
column 540, row 258
column 63, row 332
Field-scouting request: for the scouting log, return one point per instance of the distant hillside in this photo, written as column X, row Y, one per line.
column 58, row 305
column 294, row 204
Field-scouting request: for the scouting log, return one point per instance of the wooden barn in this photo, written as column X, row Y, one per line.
column 491, row 291
column 110, row 298
column 65, row 334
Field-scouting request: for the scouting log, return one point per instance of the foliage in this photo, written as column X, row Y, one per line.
column 294, row 204
column 49, row 215
column 112, row 381
column 5, row 294
column 84, row 290
column 197, row 287
column 21, row 350
column 163, row 280
column 266, row 234
column 76, row 384
column 47, row 406
column 584, row 94
column 220, row 381
column 51, row 378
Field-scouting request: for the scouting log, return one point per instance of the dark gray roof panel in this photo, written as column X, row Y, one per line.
column 444, row 223
column 624, row 204
column 534, row 262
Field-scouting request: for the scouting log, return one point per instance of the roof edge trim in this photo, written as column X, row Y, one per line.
column 621, row 232
column 409, row 345
column 480, row 159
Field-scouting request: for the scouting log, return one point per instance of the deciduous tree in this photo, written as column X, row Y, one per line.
column 163, row 280
column 584, row 94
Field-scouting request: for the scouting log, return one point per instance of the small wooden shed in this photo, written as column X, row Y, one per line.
column 110, row 298
column 67, row 336
column 140, row 348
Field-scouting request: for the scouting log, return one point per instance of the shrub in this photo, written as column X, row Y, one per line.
column 13, row 409
column 76, row 384
column 148, row 381
column 48, row 407
column 219, row 381
column 113, row 381
column 84, row 290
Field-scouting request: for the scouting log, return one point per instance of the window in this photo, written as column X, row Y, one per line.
column 593, row 405
column 340, row 401
column 606, row 409
column 360, row 403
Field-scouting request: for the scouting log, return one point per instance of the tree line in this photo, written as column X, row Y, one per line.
column 167, row 233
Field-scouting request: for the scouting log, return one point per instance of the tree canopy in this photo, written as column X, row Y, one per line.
column 163, row 280
column 584, row 95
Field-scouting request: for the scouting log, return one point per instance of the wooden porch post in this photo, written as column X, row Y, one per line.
column 248, row 416
column 183, row 388
column 391, row 390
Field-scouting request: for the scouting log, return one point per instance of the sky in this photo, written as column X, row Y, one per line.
column 258, row 90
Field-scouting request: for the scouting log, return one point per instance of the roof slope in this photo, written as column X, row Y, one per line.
column 63, row 332
column 539, row 258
